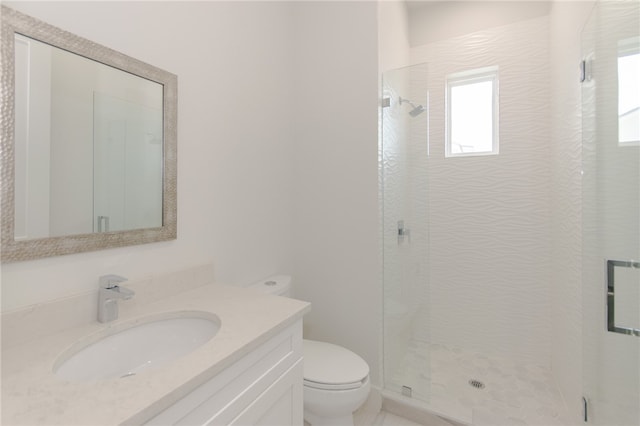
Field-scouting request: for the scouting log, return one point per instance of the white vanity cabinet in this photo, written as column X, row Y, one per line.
column 263, row 387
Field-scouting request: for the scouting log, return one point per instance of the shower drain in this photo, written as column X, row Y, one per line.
column 476, row 384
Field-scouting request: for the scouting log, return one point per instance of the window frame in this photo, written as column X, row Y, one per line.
column 478, row 75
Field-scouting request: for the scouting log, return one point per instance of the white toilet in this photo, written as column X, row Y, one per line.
column 336, row 380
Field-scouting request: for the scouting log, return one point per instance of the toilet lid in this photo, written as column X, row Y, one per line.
column 332, row 366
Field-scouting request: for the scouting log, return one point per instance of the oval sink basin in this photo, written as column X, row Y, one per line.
column 131, row 347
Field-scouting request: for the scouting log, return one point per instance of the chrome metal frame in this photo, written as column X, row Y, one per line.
column 611, row 316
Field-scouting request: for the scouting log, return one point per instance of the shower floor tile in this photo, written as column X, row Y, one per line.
column 506, row 392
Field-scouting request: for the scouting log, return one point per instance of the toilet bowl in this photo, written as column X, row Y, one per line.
column 336, row 383
column 336, row 380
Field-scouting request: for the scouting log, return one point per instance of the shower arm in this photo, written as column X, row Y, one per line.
column 416, row 109
column 401, row 100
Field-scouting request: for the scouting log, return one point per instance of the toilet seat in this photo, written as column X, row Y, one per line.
column 332, row 367
column 332, row 387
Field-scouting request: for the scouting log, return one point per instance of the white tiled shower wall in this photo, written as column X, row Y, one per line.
column 489, row 215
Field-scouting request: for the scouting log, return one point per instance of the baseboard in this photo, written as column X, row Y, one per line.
column 402, row 407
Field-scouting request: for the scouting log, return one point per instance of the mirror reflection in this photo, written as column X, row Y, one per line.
column 88, row 145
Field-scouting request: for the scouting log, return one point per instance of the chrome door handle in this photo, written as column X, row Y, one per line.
column 611, row 316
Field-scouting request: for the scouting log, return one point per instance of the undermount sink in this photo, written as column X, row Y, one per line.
column 125, row 349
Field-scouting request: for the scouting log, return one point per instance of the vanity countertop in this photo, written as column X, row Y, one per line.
column 33, row 395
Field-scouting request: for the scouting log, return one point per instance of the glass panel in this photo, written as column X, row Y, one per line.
column 127, row 164
column 404, row 157
column 611, row 217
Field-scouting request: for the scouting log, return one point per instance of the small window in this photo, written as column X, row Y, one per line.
column 629, row 92
column 472, row 113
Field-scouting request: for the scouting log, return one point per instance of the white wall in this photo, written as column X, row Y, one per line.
column 277, row 153
column 234, row 67
column 336, row 186
column 566, row 22
column 393, row 35
column 431, row 21
column 33, row 139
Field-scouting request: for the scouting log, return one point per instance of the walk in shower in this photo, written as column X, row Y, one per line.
column 469, row 175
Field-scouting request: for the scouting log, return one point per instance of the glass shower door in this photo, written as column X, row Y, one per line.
column 404, row 186
column 611, row 214
column 127, row 165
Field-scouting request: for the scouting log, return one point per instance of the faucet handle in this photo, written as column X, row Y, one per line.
column 111, row 280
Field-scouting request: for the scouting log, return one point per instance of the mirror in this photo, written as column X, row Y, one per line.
column 88, row 144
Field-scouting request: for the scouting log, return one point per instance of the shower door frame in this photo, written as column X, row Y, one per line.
column 403, row 171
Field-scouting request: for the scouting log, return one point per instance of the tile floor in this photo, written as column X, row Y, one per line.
column 388, row 419
column 514, row 393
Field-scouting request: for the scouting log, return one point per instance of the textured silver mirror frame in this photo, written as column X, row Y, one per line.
column 12, row 250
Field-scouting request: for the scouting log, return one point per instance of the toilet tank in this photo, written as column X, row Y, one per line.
column 278, row 285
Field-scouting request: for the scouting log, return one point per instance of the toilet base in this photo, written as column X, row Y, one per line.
column 315, row 420
column 336, row 407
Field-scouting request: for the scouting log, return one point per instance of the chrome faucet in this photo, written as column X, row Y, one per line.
column 109, row 294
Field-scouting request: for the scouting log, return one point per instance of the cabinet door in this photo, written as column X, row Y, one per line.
column 279, row 405
column 227, row 395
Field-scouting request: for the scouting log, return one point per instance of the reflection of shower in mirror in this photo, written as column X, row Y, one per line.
column 417, row 109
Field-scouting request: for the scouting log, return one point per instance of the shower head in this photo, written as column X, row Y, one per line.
column 417, row 109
